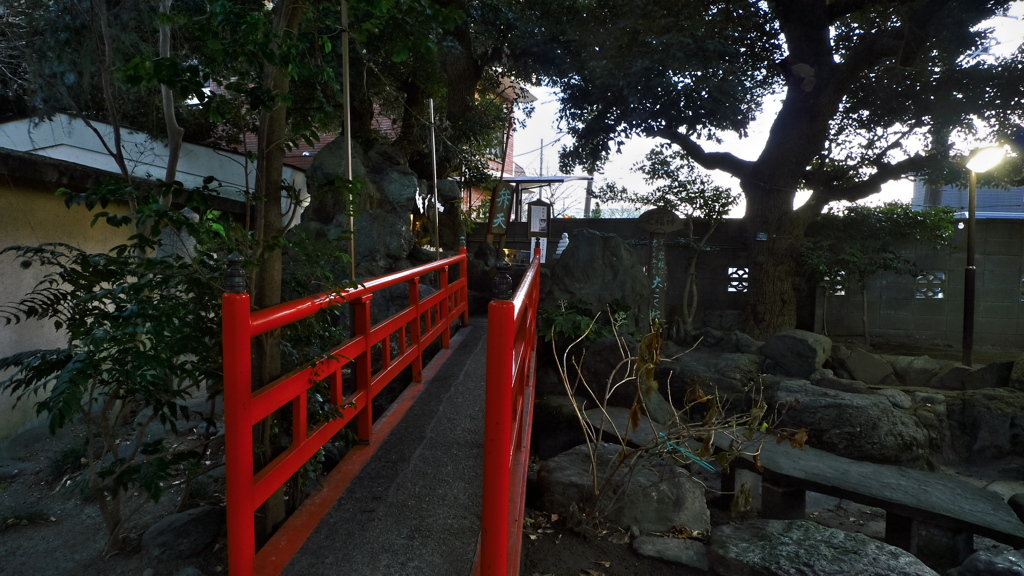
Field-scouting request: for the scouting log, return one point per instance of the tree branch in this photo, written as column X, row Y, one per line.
column 907, row 42
column 824, row 193
column 724, row 161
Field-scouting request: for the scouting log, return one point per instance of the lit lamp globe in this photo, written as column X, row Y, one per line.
column 986, row 159
column 982, row 160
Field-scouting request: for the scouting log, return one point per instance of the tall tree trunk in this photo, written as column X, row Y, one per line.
column 771, row 302
column 174, row 132
column 272, row 133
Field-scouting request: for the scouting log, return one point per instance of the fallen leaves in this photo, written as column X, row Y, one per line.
column 796, row 439
column 537, row 524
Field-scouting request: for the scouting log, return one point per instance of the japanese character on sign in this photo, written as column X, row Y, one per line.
column 499, row 221
column 504, row 198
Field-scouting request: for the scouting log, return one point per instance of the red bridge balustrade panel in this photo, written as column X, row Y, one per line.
column 373, row 366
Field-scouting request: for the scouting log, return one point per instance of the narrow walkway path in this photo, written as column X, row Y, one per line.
column 414, row 509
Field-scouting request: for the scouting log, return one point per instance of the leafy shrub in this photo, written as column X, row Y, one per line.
column 139, row 332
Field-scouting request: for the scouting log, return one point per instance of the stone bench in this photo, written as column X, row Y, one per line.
column 909, row 497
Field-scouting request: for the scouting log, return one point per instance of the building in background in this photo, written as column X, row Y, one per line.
column 992, row 202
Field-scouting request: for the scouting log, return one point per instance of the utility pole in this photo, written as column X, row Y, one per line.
column 590, row 194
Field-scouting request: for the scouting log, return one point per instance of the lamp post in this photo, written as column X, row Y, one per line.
column 981, row 160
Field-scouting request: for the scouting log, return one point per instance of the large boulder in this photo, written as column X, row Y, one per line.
column 604, row 369
column 862, row 366
column 826, row 379
column 676, row 550
column 728, row 374
column 984, row 563
column 916, row 371
column 597, row 269
column 857, row 426
column 1017, row 373
column 990, row 421
column 950, row 377
column 994, row 375
column 802, row 548
column 184, row 534
column 797, row 353
column 652, row 496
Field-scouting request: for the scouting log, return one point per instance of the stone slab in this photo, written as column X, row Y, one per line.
column 938, row 499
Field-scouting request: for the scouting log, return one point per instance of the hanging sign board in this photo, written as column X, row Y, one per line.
column 502, row 209
column 539, row 220
column 539, row 214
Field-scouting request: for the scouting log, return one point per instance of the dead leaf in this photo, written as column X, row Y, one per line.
column 619, row 538
column 554, row 517
column 604, row 563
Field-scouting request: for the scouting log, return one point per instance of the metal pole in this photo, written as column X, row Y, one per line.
column 348, row 137
column 969, row 272
column 589, row 196
column 433, row 159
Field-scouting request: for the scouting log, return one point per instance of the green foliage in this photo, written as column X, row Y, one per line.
column 140, row 333
column 568, row 321
column 678, row 184
column 855, row 242
column 595, row 212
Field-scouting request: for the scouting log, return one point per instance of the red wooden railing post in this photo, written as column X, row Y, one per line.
column 446, row 334
column 414, row 303
column 463, row 275
column 237, row 346
column 498, row 434
column 363, row 365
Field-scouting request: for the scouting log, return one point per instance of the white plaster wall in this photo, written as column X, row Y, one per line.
column 70, row 139
column 31, row 217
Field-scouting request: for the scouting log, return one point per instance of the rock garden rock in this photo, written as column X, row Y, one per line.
column 825, row 379
column 596, row 269
column 184, row 534
column 983, row 563
column 797, row 353
column 556, row 426
column 10, row 468
column 802, row 548
column 898, row 398
column 863, row 366
column 654, row 497
column 1016, row 503
column 741, row 343
column 1017, row 373
column 949, row 377
column 990, row 422
column 857, row 426
column 916, row 371
column 730, row 374
column 603, row 363
column 676, row 550
column 616, row 426
column 928, row 398
column 994, row 375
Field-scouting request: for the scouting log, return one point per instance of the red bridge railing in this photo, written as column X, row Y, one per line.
column 412, row 329
column 511, row 367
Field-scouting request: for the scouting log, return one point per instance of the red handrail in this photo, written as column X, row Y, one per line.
column 248, row 489
column 508, row 417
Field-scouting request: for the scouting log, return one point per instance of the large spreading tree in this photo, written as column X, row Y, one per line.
column 871, row 91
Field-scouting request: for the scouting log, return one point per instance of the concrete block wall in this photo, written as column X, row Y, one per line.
column 896, row 309
column 894, row 306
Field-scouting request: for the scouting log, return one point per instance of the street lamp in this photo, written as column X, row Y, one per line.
column 981, row 160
